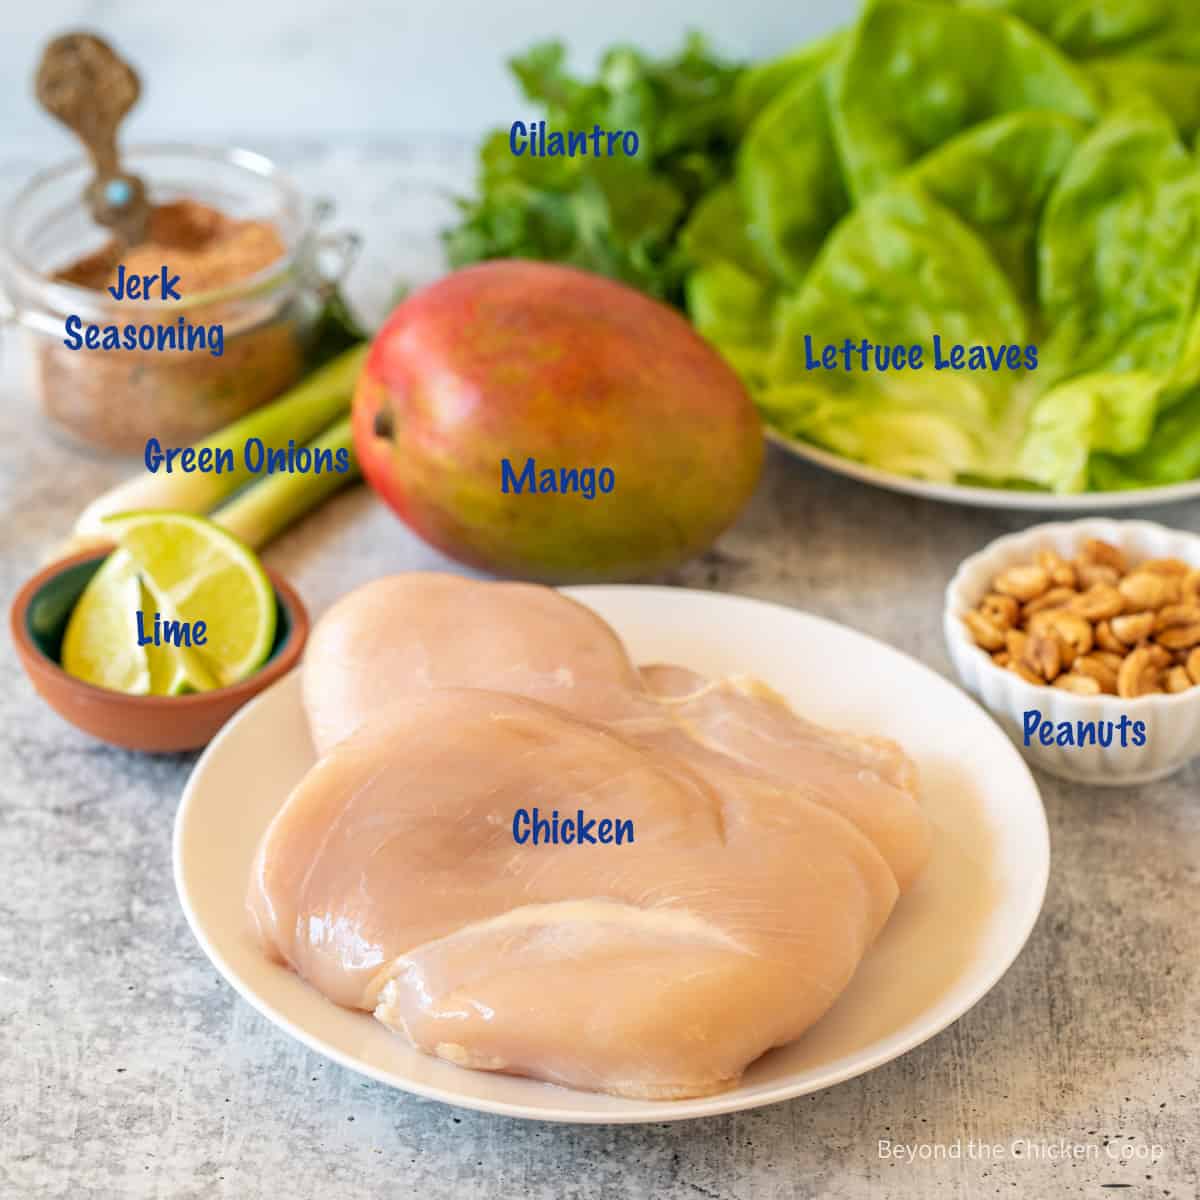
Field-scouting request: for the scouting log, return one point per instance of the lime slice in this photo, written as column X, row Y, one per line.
column 175, row 670
column 195, row 571
column 100, row 645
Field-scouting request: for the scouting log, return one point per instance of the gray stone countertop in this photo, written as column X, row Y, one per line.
column 129, row 1069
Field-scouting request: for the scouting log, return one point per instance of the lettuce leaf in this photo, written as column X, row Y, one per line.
column 1119, row 261
column 1175, row 87
column 997, row 177
column 1171, row 454
column 901, row 270
column 1102, row 412
column 731, row 297
column 761, row 84
column 1084, row 29
column 917, row 74
column 790, row 178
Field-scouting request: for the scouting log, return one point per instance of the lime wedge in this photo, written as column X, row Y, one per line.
column 175, row 670
column 100, row 644
column 195, row 571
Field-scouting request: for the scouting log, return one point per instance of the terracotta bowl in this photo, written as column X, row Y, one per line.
column 158, row 724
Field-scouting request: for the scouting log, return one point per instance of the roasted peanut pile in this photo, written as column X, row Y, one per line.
column 1095, row 624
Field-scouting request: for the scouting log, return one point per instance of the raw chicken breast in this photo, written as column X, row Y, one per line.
column 409, row 633
column 422, row 630
column 868, row 780
column 657, row 968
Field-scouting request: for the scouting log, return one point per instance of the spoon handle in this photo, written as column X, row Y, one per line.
column 82, row 82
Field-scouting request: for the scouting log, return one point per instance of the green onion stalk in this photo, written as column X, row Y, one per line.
column 263, row 511
column 316, row 408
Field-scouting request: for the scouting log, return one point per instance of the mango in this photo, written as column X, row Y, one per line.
column 538, row 421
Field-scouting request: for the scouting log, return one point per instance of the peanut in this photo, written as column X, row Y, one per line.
column 1178, row 680
column 1138, row 675
column 1164, row 566
column 983, row 631
column 1018, row 668
column 1088, row 574
column 1178, row 627
column 1098, row 603
column 1074, row 631
column 1143, row 590
column 1024, row 583
column 1193, row 665
column 1097, row 551
column 1061, row 573
column 1056, row 597
column 1160, row 656
column 1133, row 628
column 1039, row 622
column 1002, row 611
column 1094, row 667
column 1081, row 685
column 1044, row 654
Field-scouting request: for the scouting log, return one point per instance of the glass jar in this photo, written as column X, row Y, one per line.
column 117, row 399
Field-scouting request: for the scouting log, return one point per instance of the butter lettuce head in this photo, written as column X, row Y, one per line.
column 996, row 174
column 1000, row 172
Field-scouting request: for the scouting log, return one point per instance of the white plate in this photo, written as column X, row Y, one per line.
column 985, row 497
column 948, row 942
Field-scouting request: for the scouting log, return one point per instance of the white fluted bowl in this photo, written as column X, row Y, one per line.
column 1172, row 721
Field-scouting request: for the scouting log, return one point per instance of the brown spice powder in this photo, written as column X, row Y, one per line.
column 202, row 245
column 119, row 399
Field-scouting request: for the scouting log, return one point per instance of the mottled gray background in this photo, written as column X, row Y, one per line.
column 365, row 67
column 129, row 1070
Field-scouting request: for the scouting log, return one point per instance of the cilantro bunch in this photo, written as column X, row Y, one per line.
column 617, row 216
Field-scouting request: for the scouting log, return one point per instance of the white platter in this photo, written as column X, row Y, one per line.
column 985, row 497
column 949, row 941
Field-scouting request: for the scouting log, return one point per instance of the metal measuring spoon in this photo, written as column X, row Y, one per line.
column 82, row 82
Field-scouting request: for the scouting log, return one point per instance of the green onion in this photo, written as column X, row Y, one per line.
column 299, row 414
column 263, row 510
